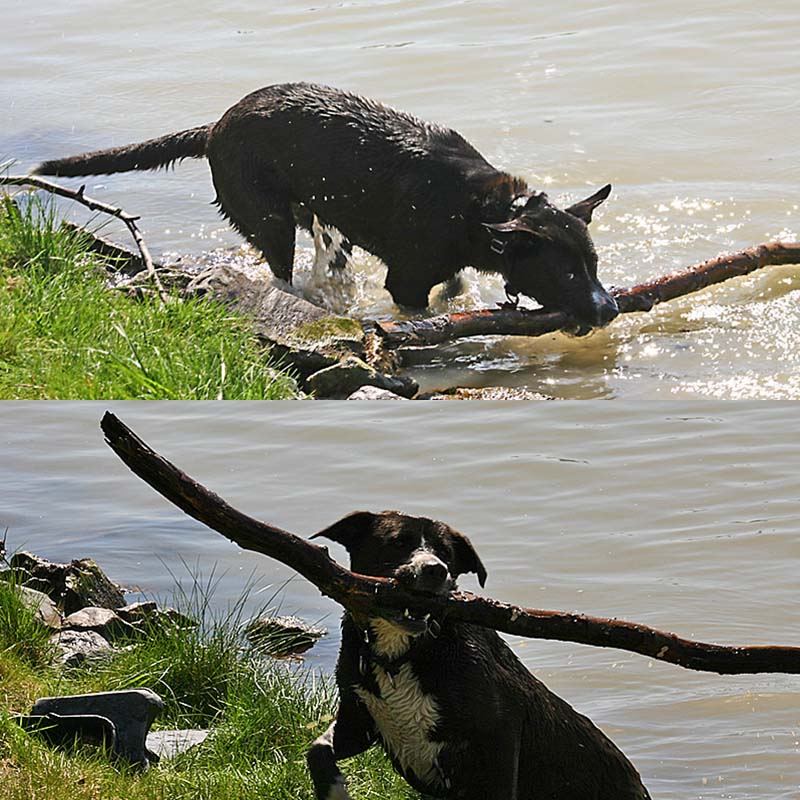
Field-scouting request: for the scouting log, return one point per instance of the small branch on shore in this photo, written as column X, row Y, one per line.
column 95, row 205
column 519, row 322
column 368, row 595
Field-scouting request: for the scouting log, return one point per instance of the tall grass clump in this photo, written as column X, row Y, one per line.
column 263, row 714
column 65, row 335
column 22, row 633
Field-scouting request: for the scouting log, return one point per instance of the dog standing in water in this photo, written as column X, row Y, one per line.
column 415, row 194
column 456, row 711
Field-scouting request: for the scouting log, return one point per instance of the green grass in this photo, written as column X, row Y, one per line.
column 65, row 335
column 264, row 715
column 21, row 632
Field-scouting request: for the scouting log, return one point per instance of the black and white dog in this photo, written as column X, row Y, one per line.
column 456, row 711
column 415, row 194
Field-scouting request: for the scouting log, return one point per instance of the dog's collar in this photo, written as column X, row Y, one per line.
column 391, row 666
column 497, row 246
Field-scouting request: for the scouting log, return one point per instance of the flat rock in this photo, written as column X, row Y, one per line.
column 351, row 373
column 168, row 744
column 306, row 335
column 71, row 586
column 75, row 647
column 374, row 393
column 44, row 607
column 488, row 393
column 148, row 614
column 282, row 636
column 130, row 711
column 100, row 620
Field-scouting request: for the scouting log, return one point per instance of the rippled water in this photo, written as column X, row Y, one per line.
column 690, row 111
column 682, row 515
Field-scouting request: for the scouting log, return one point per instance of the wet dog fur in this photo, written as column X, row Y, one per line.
column 415, row 194
column 455, row 710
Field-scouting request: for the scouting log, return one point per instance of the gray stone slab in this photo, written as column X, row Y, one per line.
column 346, row 376
column 131, row 712
column 44, row 607
column 100, row 620
column 374, row 393
column 168, row 744
column 75, row 647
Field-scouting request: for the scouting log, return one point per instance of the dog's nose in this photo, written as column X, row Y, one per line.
column 605, row 308
column 433, row 573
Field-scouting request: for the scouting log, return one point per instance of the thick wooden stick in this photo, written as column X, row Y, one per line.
column 518, row 322
column 95, row 205
column 368, row 595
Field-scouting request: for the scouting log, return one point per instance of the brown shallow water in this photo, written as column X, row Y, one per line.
column 679, row 514
column 689, row 111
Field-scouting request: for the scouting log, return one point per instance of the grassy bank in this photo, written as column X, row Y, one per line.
column 264, row 716
column 64, row 335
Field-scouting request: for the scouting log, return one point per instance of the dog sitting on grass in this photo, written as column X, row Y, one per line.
column 415, row 194
column 458, row 714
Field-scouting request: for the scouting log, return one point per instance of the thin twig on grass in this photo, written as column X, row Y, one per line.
column 95, row 205
column 368, row 595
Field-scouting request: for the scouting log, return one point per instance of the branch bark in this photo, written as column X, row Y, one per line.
column 95, row 205
column 519, row 322
column 364, row 594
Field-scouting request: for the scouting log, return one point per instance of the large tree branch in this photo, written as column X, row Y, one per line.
column 519, row 322
column 363, row 594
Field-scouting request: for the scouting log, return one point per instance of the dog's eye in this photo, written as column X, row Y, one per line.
column 570, row 276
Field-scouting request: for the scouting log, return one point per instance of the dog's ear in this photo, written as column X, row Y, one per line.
column 530, row 210
column 349, row 530
column 466, row 559
column 518, row 225
column 583, row 208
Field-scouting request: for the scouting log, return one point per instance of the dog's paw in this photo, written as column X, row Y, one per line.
column 338, row 790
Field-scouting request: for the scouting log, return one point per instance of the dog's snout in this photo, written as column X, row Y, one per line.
column 434, row 571
column 605, row 308
column 426, row 572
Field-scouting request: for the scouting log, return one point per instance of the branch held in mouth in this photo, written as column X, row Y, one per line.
column 366, row 595
column 643, row 297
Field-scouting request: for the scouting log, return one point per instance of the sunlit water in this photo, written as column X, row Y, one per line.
column 690, row 111
column 681, row 514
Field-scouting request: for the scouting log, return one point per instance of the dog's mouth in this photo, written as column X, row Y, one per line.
column 414, row 622
column 576, row 328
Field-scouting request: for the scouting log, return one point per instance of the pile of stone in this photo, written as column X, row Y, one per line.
column 85, row 609
column 90, row 620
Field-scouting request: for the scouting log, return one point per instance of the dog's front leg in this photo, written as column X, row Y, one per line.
column 351, row 733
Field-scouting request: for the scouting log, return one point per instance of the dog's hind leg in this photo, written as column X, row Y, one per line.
column 260, row 213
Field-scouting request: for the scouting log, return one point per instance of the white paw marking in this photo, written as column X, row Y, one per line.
column 328, row 247
column 338, row 790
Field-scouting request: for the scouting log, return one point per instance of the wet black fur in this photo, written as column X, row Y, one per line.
column 505, row 735
column 417, row 195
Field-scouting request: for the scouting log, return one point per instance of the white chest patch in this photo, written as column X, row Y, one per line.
column 405, row 718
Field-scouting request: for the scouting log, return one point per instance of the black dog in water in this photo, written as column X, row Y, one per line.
column 456, row 711
column 416, row 195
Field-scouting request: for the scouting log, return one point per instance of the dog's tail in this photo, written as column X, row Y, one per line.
column 152, row 154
